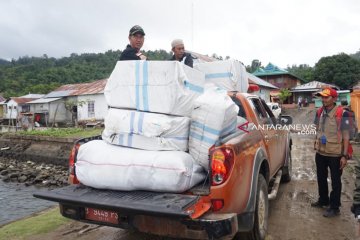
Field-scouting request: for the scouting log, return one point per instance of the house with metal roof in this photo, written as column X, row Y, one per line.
column 72, row 103
column 278, row 77
column 12, row 107
column 307, row 90
column 16, row 111
column 48, row 111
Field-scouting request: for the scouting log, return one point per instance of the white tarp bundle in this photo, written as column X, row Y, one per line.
column 168, row 87
column 146, row 130
column 230, row 75
column 214, row 116
column 105, row 166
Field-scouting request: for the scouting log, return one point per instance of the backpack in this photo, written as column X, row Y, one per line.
column 338, row 116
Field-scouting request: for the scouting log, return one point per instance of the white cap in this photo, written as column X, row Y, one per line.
column 176, row 42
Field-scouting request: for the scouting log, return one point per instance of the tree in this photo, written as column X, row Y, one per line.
column 72, row 107
column 255, row 64
column 284, row 94
column 341, row 70
column 303, row 71
column 356, row 55
column 4, row 62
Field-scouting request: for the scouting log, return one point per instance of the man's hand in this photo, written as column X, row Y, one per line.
column 141, row 56
column 343, row 162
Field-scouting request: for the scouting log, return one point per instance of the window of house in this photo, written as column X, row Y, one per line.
column 91, row 109
column 25, row 108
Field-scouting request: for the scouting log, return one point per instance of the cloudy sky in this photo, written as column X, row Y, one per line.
column 283, row 32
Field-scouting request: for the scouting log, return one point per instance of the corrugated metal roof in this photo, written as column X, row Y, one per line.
column 312, row 86
column 56, row 94
column 79, row 89
column 260, row 82
column 20, row 100
column 1, row 98
column 44, row 100
column 32, row 95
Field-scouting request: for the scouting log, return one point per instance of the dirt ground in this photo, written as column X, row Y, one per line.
column 290, row 214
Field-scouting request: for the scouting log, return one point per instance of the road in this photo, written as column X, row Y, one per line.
column 290, row 214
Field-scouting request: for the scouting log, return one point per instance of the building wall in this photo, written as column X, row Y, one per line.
column 304, row 95
column 62, row 115
column 12, row 110
column 49, row 109
column 282, row 81
column 100, row 107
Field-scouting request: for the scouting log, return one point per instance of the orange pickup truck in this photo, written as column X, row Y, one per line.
column 231, row 203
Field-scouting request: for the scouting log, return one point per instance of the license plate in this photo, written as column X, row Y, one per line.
column 101, row 215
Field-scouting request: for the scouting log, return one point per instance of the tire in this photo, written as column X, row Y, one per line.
column 261, row 213
column 287, row 170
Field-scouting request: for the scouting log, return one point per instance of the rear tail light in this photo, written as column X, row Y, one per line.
column 222, row 161
column 217, row 204
column 72, row 160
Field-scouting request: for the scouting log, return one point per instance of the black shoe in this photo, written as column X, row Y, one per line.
column 319, row 204
column 355, row 209
column 331, row 212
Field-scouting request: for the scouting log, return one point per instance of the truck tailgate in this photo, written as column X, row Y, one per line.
column 133, row 202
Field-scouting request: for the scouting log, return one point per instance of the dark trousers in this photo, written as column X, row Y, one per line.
column 323, row 163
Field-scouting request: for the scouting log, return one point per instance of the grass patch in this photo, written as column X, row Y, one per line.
column 63, row 132
column 40, row 224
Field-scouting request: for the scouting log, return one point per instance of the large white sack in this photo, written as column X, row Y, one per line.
column 105, row 166
column 145, row 130
column 154, row 86
column 230, row 75
column 214, row 116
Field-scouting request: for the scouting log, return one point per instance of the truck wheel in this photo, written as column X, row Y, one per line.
column 287, row 170
column 261, row 213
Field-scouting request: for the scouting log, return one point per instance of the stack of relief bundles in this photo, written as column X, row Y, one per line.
column 143, row 130
column 146, row 130
column 105, row 166
column 214, row 116
column 230, row 75
column 151, row 104
column 154, row 86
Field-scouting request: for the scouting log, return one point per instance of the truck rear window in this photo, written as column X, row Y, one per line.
column 241, row 112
